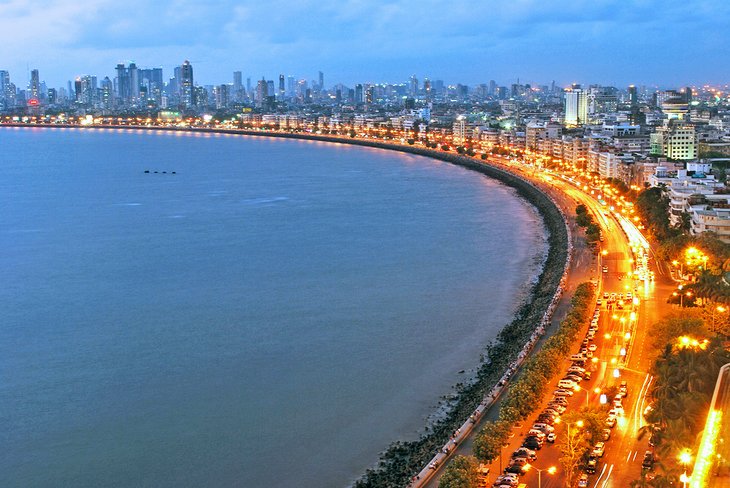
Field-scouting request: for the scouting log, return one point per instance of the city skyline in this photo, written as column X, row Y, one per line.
column 604, row 42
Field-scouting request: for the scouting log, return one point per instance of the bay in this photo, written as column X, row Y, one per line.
column 274, row 313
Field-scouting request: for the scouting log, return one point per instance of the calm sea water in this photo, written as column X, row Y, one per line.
column 273, row 314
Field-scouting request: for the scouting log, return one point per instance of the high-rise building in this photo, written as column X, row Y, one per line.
column 359, row 98
column 84, row 90
column 222, row 96
column 676, row 139
column 107, row 93
column 34, row 87
column 187, row 86
column 290, row 86
column 576, row 106
column 633, row 98
column 282, row 91
column 133, row 83
column 4, row 82
column 321, row 81
column 262, row 92
column 237, row 94
column 413, row 85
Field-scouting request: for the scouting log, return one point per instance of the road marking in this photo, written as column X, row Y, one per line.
column 629, row 456
column 598, row 480
column 635, row 453
column 605, row 482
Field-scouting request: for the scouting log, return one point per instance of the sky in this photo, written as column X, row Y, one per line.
column 666, row 43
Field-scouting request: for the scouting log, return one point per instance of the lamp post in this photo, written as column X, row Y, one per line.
column 550, row 470
column 685, row 457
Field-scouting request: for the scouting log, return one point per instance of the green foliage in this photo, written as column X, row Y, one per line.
column 461, row 472
column 676, row 324
column 593, row 232
column 581, row 210
column 652, row 206
column 684, row 382
column 489, row 440
column 524, row 395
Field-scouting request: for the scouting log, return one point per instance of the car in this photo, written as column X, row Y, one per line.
column 598, row 449
column 587, row 375
column 575, row 378
column 629, row 296
column 589, row 354
column 606, row 434
column 599, row 302
column 551, row 437
column 567, row 384
column 507, row 479
column 536, row 433
column 577, row 357
column 523, row 452
column 623, row 388
column 583, row 480
column 605, row 269
column 532, row 443
column 563, row 392
column 611, row 421
column 546, row 419
column 558, row 408
column 516, row 468
column 648, row 462
column 544, row 428
column 592, row 348
column 591, row 465
column 552, row 412
column 605, row 295
column 558, row 400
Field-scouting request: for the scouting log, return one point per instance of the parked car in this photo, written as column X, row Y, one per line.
column 544, row 428
column 551, row 437
column 648, row 462
column 583, row 480
column 523, row 452
column 611, row 421
column 606, row 434
column 588, row 375
column 598, row 449
column 591, row 465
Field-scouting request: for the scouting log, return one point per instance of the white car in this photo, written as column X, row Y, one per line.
column 592, row 348
column 598, row 449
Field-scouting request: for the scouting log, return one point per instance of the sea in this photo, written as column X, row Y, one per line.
column 184, row 309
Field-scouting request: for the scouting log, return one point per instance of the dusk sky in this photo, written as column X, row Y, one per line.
column 668, row 42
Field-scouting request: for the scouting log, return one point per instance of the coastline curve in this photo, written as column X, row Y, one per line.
column 399, row 463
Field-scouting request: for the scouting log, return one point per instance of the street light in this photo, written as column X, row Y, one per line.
column 685, row 457
column 550, row 470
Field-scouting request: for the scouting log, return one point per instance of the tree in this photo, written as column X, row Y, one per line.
column 573, row 446
column 489, row 441
column 461, row 472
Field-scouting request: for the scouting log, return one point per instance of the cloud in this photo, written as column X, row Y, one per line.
column 459, row 40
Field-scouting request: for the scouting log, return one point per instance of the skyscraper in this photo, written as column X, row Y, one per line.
column 133, row 83
column 262, row 92
column 34, row 87
column 282, row 89
column 413, row 85
column 187, row 87
column 321, row 81
column 576, row 106
column 4, row 83
column 237, row 86
column 633, row 99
